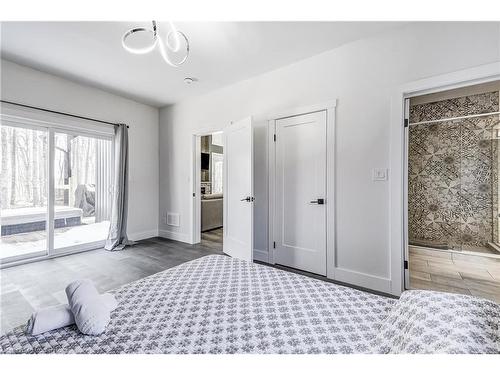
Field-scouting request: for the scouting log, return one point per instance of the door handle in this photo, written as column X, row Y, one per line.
column 248, row 199
column 318, row 201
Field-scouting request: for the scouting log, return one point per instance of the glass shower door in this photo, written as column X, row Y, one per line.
column 479, row 181
column 453, row 188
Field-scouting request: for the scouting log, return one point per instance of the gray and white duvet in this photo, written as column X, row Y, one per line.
column 217, row 304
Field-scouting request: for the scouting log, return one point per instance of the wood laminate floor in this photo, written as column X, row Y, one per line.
column 455, row 272
column 213, row 238
column 32, row 286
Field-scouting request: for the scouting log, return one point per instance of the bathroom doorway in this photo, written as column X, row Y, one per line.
column 453, row 155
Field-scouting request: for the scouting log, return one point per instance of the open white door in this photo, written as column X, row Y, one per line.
column 238, row 190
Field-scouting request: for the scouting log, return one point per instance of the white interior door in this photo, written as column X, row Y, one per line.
column 238, row 190
column 300, row 205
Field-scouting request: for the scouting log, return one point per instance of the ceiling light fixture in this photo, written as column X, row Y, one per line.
column 169, row 47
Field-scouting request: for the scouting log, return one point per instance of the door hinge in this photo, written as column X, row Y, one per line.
column 274, row 137
column 274, row 245
column 406, row 264
column 406, row 122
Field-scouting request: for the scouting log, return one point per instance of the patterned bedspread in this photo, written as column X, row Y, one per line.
column 217, row 304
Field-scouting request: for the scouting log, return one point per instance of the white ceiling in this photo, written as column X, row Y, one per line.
column 221, row 53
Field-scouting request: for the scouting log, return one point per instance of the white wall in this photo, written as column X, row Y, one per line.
column 29, row 86
column 362, row 76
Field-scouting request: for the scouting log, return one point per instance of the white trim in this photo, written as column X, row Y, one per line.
column 27, row 123
column 137, row 236
column 16, row 259
column 406, row 255
column 67, row 250
column 397, row 227
column 271, row 152
column 33, row 117
column 329, row 107
column 297, row 111
column 96, row 245
column 377, row 283
column 208, row 130
column 196, row 191
column 331, row 190
column 261, row 255
column 461, row 78
column 176, row 236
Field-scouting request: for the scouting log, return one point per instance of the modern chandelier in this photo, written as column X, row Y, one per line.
column 174, row 42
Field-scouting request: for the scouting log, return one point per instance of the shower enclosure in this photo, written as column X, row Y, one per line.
column 453, row 168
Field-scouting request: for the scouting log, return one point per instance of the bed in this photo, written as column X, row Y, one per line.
column 217, row 304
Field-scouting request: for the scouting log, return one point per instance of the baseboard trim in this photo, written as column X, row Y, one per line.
column 137, row 236
column 176, row 236
column 364, row 280
column 261, row 255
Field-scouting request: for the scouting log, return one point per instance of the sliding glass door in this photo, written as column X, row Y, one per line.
column 55, row 192
column 24, row 193
column 82, row 190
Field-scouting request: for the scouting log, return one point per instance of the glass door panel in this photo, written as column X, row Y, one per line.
column 453, row 188
column 479, row 182
column 82, row 194
column 23, row 193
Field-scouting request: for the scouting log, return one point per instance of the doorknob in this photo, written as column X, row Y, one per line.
column 318, row 201
column 248, row 199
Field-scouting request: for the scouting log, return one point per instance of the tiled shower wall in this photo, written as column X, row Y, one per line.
column 452, row 173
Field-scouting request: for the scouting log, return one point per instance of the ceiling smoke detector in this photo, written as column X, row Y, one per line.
column 190, row 80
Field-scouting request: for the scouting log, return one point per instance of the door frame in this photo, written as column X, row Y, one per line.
column 398, row 155
column 329, row 107
column 195, row 236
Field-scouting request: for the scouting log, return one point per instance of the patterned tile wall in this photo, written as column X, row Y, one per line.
column 452, row 173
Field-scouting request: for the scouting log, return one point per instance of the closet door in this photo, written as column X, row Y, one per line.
column 300, row 206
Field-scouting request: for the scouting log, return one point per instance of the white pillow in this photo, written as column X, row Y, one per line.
column 91, row 314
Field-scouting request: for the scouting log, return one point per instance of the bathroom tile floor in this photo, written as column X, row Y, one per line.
column 455, row 272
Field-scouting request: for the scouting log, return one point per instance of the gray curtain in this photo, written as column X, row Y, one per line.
column 117, row 237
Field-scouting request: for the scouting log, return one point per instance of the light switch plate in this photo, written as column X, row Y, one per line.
column 379, row 174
